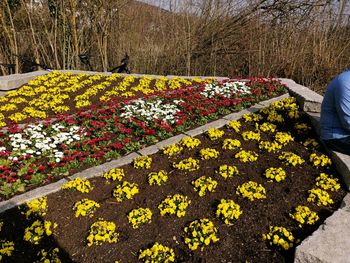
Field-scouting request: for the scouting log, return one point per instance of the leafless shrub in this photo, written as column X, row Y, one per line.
column 306, row 40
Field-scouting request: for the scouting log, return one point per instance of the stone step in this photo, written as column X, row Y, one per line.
column 308, row 100
column 14, row 81
column 330, row 243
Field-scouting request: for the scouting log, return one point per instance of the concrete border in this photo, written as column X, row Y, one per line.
column 14, row 81
column 31, row 195
column 331, row 241
column 308, row 100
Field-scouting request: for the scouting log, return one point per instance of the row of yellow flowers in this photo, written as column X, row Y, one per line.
column 54, row 91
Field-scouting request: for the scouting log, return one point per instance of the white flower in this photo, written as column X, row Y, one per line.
column 23, row 146
column 35, row 140
column 227, row 89
column 154, row 109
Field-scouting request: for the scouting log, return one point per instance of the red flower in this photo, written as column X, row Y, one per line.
column 28, row 177
column 40, row 168
column 150, row 131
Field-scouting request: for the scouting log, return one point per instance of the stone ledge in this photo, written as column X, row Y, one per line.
column 214, row 124
column 314, row 118
column 15, row 81
column 329, row 244
column 171, row 140
column 341, row 161
column 345, row 205
column 236, row 115
column 266, row 103
column 97, row 171
column 306, row 98
column 148, row 150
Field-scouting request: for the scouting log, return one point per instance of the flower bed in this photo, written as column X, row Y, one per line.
column 252, row 209
column 120, row 123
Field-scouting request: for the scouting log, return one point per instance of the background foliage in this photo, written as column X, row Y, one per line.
column 306, row 40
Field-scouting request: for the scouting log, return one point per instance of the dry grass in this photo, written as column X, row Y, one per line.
column 303, row 40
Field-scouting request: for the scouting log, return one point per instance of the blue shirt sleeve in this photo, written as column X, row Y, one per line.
column 342, row 96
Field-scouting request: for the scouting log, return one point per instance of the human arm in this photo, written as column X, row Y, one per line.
column 342, row 96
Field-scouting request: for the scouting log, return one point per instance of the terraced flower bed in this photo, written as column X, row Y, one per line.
column 66, row 93
column 247, row 192
column 71, row 122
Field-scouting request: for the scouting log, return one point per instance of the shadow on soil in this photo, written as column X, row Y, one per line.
column 13, row 229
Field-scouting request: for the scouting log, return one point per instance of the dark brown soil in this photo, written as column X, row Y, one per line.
column 239, row 242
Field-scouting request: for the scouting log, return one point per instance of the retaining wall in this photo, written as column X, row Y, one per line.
column 329, row 244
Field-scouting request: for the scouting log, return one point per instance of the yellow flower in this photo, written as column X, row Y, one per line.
column 246, row 156
column 188, row 164
column 283, row 138
column 291, row 158
column 280, row 237
column 327, row 182
column 143, row 162
column 17, row 117
column 115, row 174
column 157, row 254
column 303, row 215
column 228, row 210
column 125, row 191
column 235, row 125
column 252, row 117
column 200, row 233
column 139, row 216
column 174, row 205
column 267, row 127
column 320, row 197
column 250, row 135
column 215, row 133
column 322, row 160
column 171, row 150
column 85, row 207
column 204, row 184
column 251, row 190
column 81, row 185
column 6, row 248
column 102, row 231
column 277, row 174
column 270, row 146
column 159, row 178
column 190, row 142
column 37, row 207
column 208, row 153
column 311, row 142
column 227, row 171
column 231, row 144
column 37, row 230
